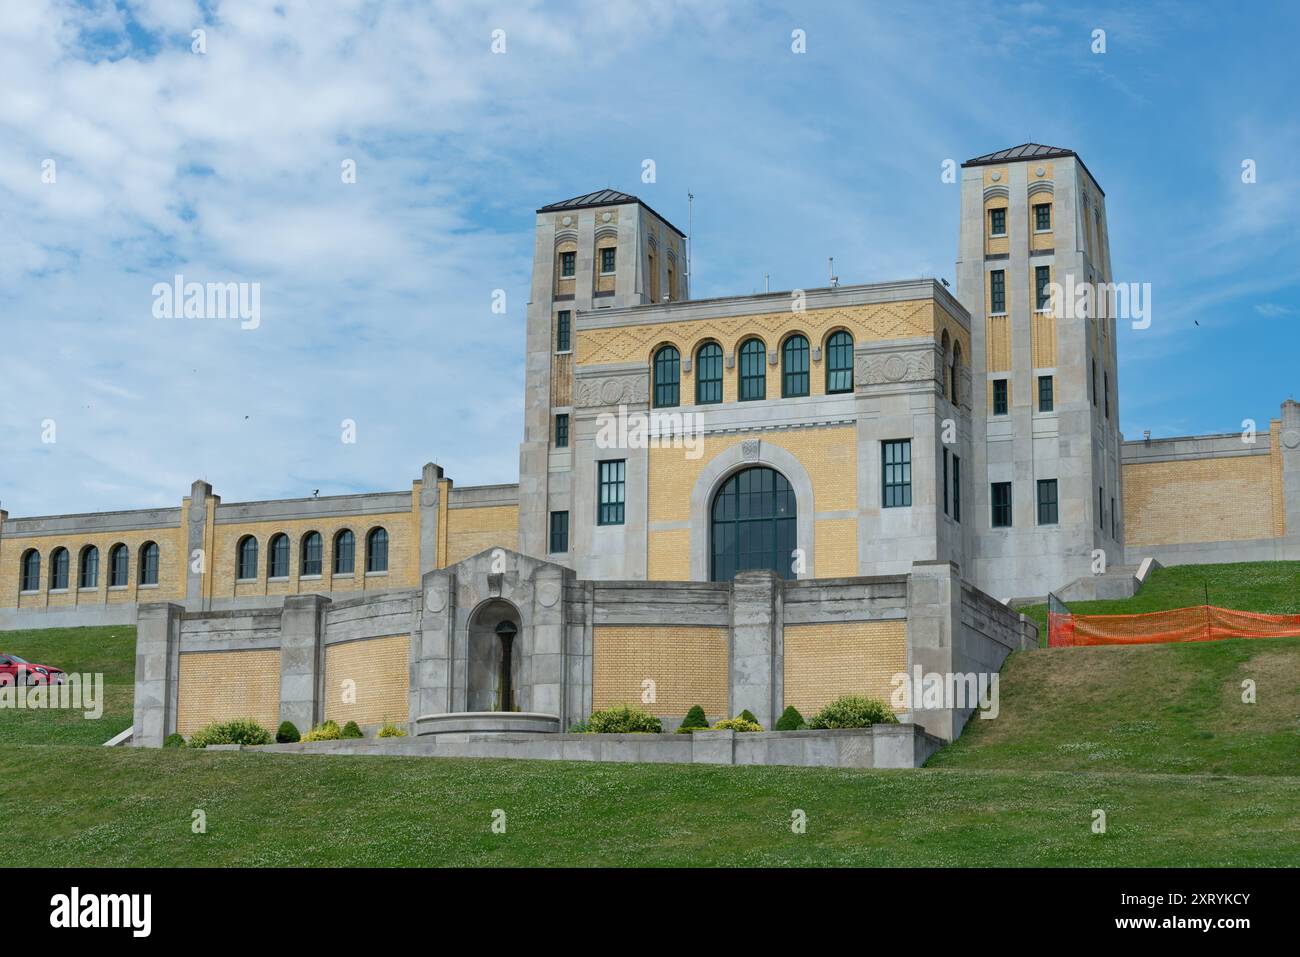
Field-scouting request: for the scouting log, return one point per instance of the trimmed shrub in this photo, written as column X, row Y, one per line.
column 287, row 733
column 579, row 727
column 325, row 731
column 391, row 730
column 244, row 731
column 790, row 720
column 174, row 740
column 853, row 711
column 737, row 724
column 748, row 716
column 623, row 719
column 351, row 730
column 694, row 719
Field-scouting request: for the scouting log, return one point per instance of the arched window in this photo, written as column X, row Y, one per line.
column 839, row 363
column 313, row 553
column 247, row 558
column 956, row 371
column 89, row 565
column 708, row 374
column 377, row 550
column 277, row 557
column 59, row 569
column 753, row 524
column 119, row 569
column 345, row 553
column 149, row 563
column 31, row 571
column 668, row 377
column 794, row 367
column 944, row 347
column 753, row 370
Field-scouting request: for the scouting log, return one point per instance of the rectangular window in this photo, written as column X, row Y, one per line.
column 607, row 257
column 896, row 473
column 1101, row 508
column 1105, row 391
column 1000, row 493
column 1047, row 502
column 1042, row 217
column 564, row 331
column 1114, row 528
column 559, row 532
column 612, row 476
column 1094, row 383
column 1045, row 396
column 945, row 481
column 669, row 295
column 997, row 222
column 997, row 291
column 999, row 396
column 568, row 265
column 1042, row 295
column 956, row 489
column 562, row 430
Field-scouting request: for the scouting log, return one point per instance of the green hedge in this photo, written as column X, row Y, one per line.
column 853, row 711
column 622, row 719
column 244, row 731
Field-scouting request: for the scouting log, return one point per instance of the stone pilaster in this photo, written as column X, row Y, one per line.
column 430, row 501
column 1290, row 441
column 157, row 647
column 755, row 652
column 197, row 560
column 432, row 645
column 933, row 622
column 302, row 659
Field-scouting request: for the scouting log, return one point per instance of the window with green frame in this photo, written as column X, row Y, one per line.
column 1042, row 294
column 997, row 291
column 999, row 396
column 607, row 259
column 563, row 330
column 708, row 374
column 568, row 265
column 896, row 473
column 1042, row 216
column 839, row 363
column 667, row 377
column 794, row 367
column 1048, row 504
column 753, row 370
column 1046, row 398
column 998, row 222
column 562, row 430
column 1000, row 494
column 611, row 482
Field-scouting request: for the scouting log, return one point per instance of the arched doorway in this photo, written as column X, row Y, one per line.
column 752, row 524
column 494, row 669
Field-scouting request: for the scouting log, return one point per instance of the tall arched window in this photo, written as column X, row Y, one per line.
column 247, row 558
column 31, row 571
column 277, row 557
column 753, row 524
column 753, row 370
column 956, row 371
column 119, row 569
column 149, row 563
column 59, row 569
column 345, row 553
column 377, row 550
column 794, row 367
column 668, row 377
column 839, row 363
column 708, row 374
column 944, row 348
column 313, row 553
column 89, row 568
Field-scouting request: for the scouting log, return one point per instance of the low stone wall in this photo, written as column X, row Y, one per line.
column 880, row 746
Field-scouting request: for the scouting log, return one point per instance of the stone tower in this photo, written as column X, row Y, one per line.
column 603, row 250
column 1046, row 476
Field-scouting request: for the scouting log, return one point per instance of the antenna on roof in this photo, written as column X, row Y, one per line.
column 835, row 280
column 765, row 283
column 690, row 236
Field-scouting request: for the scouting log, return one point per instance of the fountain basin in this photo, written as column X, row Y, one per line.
column 488, row 722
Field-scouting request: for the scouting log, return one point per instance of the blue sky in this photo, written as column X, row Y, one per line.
column 376, row 295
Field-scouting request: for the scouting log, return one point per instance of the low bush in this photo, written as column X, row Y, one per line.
column 287, row 733
column 351, row 730
column 694, row 719
column 737, row 724
column 244, row 731
column 579, row 727
column 853, row 711
column 391, row 730
column 790, row 720
column 623, row 719
column 174, row 740
column 748, row 715
column 325, row 731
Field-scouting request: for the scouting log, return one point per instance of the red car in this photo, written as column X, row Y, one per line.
column 19, row 671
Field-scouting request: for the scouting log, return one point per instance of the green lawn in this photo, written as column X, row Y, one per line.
column 1156, row 736
column 108, row 650
column 1272, row 587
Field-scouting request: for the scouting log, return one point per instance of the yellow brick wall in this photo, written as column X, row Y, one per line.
column 1043, row 340
column 993, row 245
column 687, row 663
column 222, row 685
column 172, row 564
column 999, row 343
column 830, row 457
column 825, row 661
column 1200, row 500
column 403, row 554
column 380, row 668
column 471, row 530
column 1275, row 462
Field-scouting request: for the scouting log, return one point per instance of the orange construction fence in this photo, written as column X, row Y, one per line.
column 1198, row 623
